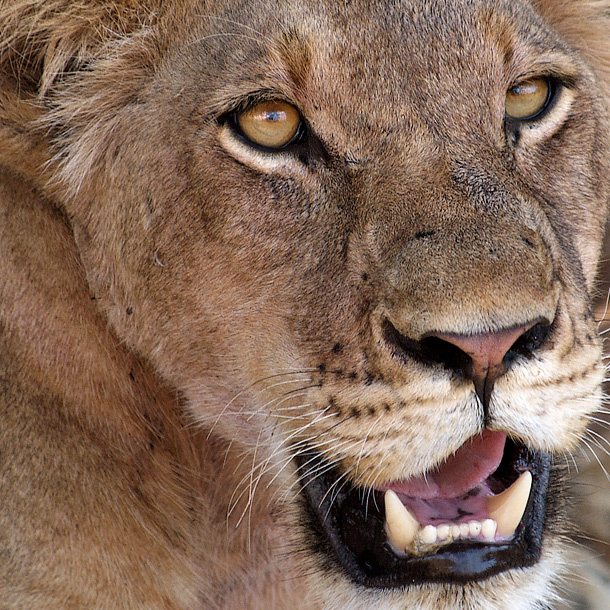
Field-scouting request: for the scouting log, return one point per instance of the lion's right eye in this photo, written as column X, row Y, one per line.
column 273, row 124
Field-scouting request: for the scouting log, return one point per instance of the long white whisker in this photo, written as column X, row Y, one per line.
column 252, row 386
column 586, row 442
column 261, row 35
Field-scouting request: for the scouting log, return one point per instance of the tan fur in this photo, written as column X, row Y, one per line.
column 179, row 311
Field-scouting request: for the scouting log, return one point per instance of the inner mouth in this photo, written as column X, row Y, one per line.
column 478, row 514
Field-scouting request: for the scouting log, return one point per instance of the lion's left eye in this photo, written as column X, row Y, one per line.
column 272, row 124
column 528, row 99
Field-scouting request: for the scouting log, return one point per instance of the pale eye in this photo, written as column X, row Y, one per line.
column 528, row 99
column 272, row 124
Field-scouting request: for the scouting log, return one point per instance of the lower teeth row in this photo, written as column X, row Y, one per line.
column 448, row 532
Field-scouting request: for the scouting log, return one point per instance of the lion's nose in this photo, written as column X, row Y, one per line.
column 487, row 355
column 480, row 357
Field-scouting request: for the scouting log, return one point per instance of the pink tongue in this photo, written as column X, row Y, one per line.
column 466, row 469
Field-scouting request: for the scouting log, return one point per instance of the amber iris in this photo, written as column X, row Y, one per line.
column 527, row 99
column 271, row 124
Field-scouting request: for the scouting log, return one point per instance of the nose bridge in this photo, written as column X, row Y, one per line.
column 466, row 259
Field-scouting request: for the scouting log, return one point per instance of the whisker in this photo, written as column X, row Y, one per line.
column 586, row 442
column 252, row 386
column 261, row 35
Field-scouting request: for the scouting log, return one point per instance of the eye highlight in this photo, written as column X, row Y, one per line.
column 528, row 99
column 273, row 124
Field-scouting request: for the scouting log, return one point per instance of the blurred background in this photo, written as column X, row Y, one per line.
column 588, row 585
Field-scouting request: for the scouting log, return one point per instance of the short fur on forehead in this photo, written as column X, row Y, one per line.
column 44, row 40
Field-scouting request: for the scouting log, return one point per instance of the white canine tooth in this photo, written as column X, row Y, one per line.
column 464, row 530
column 428, row 534
column 488, row 529
column 401, row 526
column 507, row 508
column 442, row 531
column 455, row 532
column 474, row 528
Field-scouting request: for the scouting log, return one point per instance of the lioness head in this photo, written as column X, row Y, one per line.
column 348, row 249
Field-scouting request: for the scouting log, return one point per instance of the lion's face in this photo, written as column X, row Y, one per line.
column 397, row 298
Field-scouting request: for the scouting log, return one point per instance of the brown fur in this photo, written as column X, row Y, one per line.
column 177, row 309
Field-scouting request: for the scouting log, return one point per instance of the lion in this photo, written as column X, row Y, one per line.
column 296, row 300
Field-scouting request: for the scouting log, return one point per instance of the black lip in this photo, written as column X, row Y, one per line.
column 347, row 527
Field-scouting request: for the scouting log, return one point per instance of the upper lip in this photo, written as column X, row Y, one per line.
column 348, row 524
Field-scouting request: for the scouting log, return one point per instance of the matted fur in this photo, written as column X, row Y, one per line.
column 180, row 312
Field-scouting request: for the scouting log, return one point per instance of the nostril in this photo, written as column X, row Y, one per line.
column 446, row 353
column 531, row 341
column 429, row 350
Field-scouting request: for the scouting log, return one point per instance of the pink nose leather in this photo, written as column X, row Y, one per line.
column 486, row 352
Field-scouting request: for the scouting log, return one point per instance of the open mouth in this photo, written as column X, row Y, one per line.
column 481, row 512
